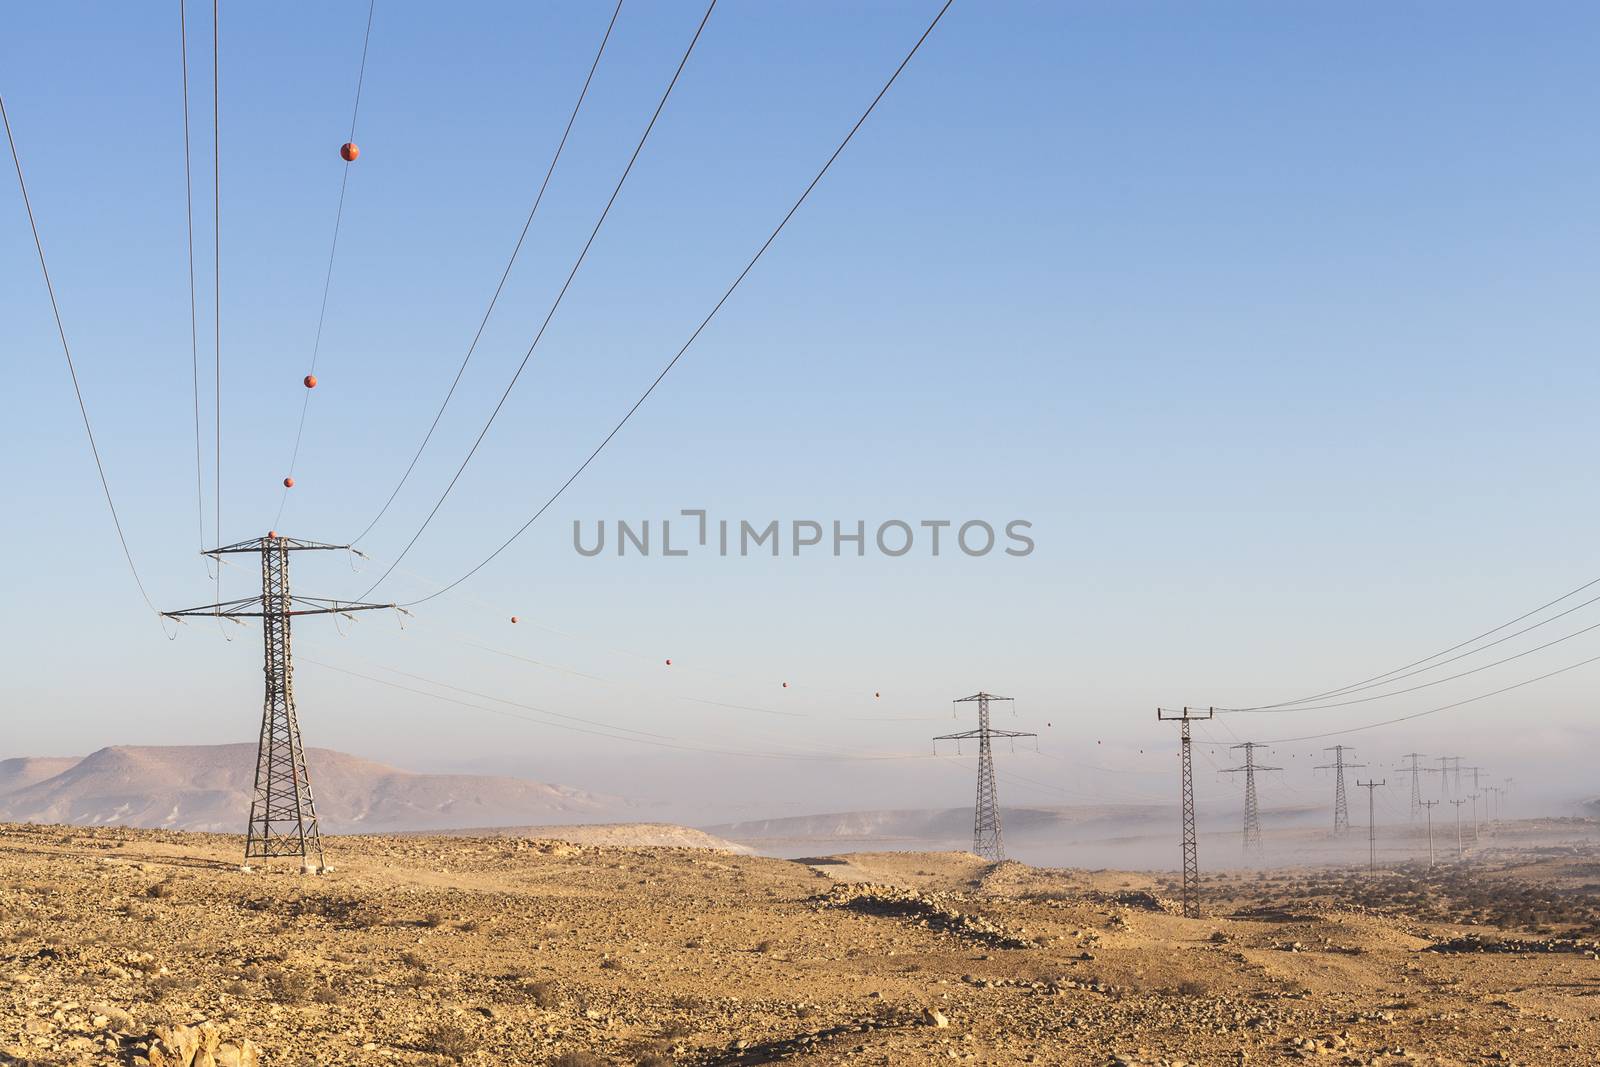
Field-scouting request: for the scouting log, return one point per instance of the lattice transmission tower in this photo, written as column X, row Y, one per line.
column 1252, row 813
column 988, row 840
column 1341, row 802
column 1191, row 842
column 1416, row 770
column 283, row 813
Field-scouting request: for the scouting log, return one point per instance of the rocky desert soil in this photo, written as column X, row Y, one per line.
column 150, row 947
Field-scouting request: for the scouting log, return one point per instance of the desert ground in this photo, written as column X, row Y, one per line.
column 136, row 946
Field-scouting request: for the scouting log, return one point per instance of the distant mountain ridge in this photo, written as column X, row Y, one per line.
column 209, row 787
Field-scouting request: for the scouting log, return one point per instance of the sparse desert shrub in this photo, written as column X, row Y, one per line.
column 652, row 1059
column 163, row 986
column 433, row 920
column 411, row 959
column 471, row 926
column 450, row 1040
column 545, row 994
column 694, row 943
column 611, row 963
column 325, row 994
column 290, row 988
column 237, row 988
column 416, row 979
column 162, row 890
column 1193, row 987
column 578, row 1059
column 766, row 946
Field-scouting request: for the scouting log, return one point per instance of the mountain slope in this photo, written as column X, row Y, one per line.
column 209, row 787
column 20, row 773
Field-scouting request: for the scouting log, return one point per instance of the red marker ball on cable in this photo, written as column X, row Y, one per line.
column 669, row 663
column 513, row 619
column 288, row 483
column 311, row 381
column 349, row 151
column 786, row 685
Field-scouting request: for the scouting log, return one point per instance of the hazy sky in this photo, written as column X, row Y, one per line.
column 1274, row 321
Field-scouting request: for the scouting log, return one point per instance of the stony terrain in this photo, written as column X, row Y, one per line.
column 152, row 947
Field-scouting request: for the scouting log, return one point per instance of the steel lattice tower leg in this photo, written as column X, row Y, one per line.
column 1191, row 842
column 987, row 840
column 1416, row 791
column 1252, row 813
column 1341, row 803
column 283, row 815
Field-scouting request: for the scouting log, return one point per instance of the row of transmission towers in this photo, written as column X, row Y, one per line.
column 1450, row 771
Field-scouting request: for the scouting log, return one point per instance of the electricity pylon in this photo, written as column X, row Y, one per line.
column 1372, row 821
column 1191, row 844
column 1474, row 798
column 1252, row 814
column 283, row 815
column 987, row 840
column 1416, row 782
column 1341, row 805
column 1428, row 804
column 1445, row 776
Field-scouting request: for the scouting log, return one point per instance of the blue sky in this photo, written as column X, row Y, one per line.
column 1275, row 321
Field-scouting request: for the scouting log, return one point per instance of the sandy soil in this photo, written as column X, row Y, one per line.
column 505, row 950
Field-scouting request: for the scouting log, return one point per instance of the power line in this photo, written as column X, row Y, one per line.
column 1437, row 710
column 327, row 279
column 66, row 350
column 1424, row 685
column 194, row 326
column 698, row 329
column 573, row 273
column 216, row 250
column 1416, row 663
column 493, row 300
column 620, row 737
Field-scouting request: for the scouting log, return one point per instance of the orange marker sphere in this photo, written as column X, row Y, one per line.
column 669, row 663
column 288, row 483
column 272, row 535
column 786, row 685
column 311, row 381
column 513, row 618
column 349, row 151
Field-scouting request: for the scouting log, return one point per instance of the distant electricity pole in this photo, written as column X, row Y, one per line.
column 1372, row 821
column 1461, row 848
column 1191, row 845
column 1341, row 805
column 1252, row 814
column 1474, row 798
column 283, row 816
column 1428, row 805
column 987, row 840
column 1416, row 782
